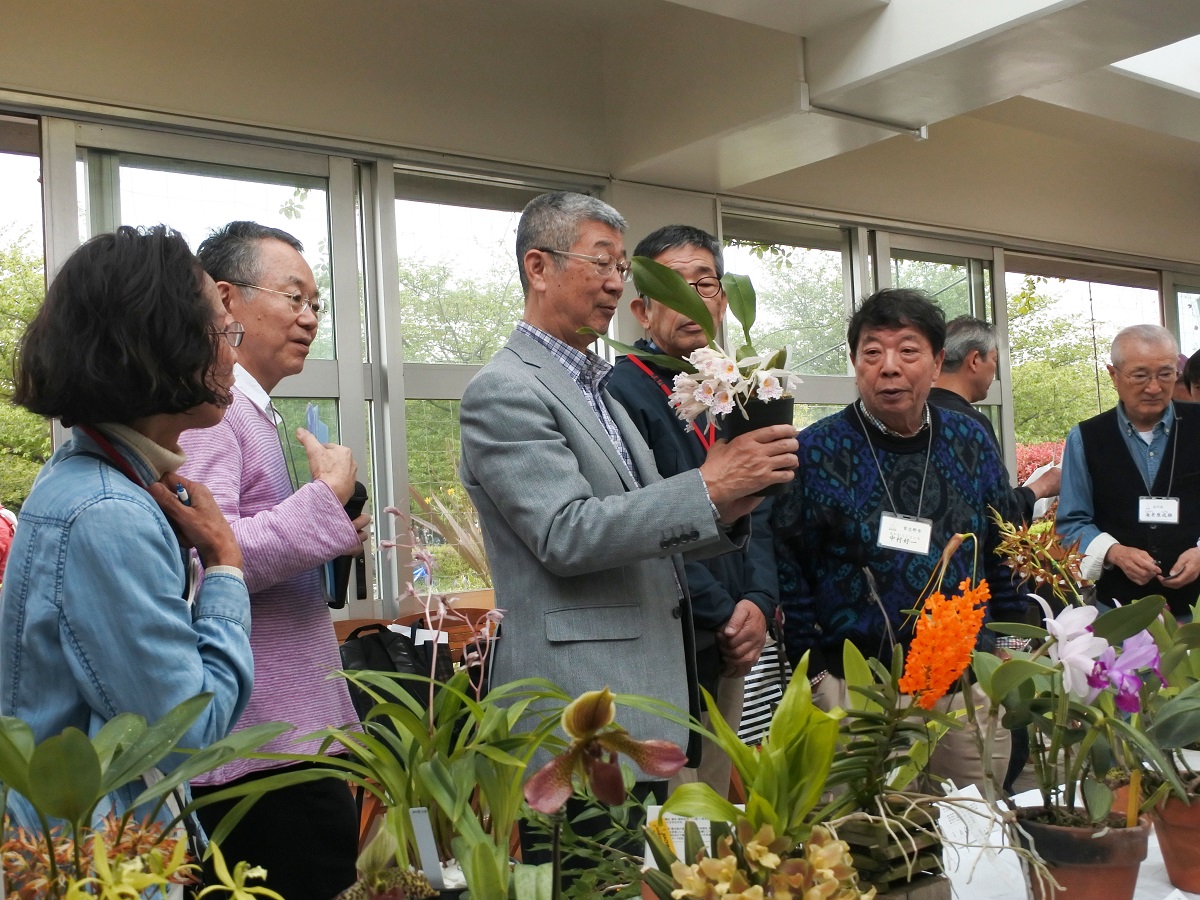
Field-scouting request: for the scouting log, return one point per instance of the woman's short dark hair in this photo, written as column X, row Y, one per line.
column 899, row 308
column 125, row 332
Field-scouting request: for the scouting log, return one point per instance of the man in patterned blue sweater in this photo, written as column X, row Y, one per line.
column 882, row 487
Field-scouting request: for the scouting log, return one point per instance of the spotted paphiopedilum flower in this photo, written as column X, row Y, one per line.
column 592, row 754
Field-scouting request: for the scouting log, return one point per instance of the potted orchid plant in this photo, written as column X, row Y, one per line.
column 1079, row 692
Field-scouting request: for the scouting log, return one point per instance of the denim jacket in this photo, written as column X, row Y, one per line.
column 93, row 615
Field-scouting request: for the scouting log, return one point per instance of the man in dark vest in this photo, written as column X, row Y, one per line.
column 735, row 595
column 1131, row 480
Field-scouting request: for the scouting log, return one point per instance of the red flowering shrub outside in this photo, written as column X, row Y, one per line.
column 1030, row 456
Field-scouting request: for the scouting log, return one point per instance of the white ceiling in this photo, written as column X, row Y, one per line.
column 914, row 63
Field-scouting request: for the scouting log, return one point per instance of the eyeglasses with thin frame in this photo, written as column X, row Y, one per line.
column 707, row 287
column 1141, row 379
column 605, row 265
column 298, row 301
column 233, row 333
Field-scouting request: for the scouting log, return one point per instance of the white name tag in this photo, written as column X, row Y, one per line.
column 1159, row 510
column 906, row 533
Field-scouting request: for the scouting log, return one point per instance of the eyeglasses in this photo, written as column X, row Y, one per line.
column 707, row 287
column 233, row 333
column 298, row 301
column 605, row 265
column 1141, row 379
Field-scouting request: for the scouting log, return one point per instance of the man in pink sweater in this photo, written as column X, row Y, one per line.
column 306, row 835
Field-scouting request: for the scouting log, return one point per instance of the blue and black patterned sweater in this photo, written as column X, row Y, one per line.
column 827, row 525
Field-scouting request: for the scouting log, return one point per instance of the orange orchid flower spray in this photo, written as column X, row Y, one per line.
column 945, row 638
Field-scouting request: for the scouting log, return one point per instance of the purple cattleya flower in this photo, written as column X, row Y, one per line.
column 1120, row 673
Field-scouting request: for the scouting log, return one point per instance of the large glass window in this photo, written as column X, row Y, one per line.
column 797, row 270
column 195, row 199
column 460, row 297
column 961, row 287
column 24, row 437
column 1062, row 318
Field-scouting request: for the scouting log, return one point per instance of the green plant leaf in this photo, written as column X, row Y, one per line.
column 662, row 885
column 984, row 665
column 1018, row 629
column 658, row 282
column 485, row 868
column 149, row 747
column 64, row 777
column 1011, row 673
column 858, row 674
column 701, row 801
column 16, row 748
column 534, row 882
column 1116, row 625
column 667, row 362
column 742, row 300
column 1098, row 798
column 693, row 844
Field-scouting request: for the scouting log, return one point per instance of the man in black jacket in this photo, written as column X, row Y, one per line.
column 967, row 374
column 734, row 596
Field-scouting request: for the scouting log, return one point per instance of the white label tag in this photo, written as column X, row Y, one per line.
column 906, row 533
column 1159, row 510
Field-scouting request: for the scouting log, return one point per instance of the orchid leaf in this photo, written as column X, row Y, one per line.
column 742, row 301
column 16, row 748
column 693, row 844
column 1018, row 629
column 1098, row 798
column 858, row 675
column 534, row 882
column 152, row 745
column 64, row 777
column 660, row 883
column 1011, row 673
column 665, row 285
column 984, row 665
column 700, row 801
column 1116, row 625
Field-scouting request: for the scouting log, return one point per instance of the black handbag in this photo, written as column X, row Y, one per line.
column 374, row 647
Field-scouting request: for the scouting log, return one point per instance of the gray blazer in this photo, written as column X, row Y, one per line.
column 583, row 562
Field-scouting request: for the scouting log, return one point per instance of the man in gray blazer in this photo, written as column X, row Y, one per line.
column 582, row 534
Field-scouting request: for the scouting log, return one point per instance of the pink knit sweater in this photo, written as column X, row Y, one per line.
column 285, row 536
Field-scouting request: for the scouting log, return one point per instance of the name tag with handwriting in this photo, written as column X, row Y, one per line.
column 908, row 534
column 1159, row 510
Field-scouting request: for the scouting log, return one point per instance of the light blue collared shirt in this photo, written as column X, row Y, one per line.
column 1076, row 510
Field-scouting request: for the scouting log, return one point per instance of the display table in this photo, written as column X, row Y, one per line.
column 996, row 875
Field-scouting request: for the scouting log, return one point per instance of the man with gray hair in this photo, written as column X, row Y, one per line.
column 967, row 374
column 583, row 535
column 734, row 596
column 1131, row 480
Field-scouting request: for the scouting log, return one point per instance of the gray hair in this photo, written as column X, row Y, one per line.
column 964, row 334
column 1154, row 335
column 551, row 221
column 671, row 236
column 231, row 253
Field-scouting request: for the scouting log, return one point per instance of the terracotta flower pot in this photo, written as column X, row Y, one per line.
column 1177, row 825
column 1086, row 864
column 759, row 414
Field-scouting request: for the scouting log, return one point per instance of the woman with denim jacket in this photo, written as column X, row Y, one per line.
column 99, row 613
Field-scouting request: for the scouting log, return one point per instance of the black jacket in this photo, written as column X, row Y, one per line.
column 944, row 399
column 716, row 584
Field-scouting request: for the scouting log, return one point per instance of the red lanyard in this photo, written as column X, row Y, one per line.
column 706, row 437
column 114, row 457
